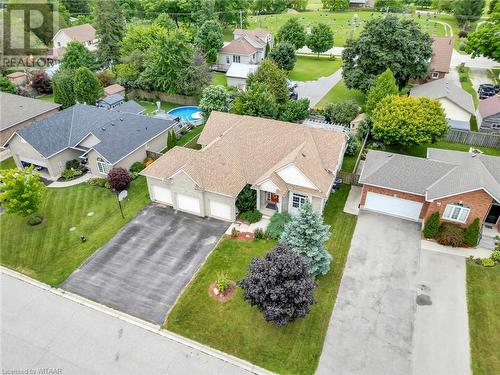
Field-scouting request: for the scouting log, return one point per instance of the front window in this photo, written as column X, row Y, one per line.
column 227, row 59
column 456, row 212
column 236, row 59
column 298, row 200
column 103, row 166
column 435, row 75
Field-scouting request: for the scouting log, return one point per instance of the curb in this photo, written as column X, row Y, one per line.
column 156, row 329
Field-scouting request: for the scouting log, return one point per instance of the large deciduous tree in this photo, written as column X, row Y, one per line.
column 341, row 112
column 273, row 78
column 306, row 234
column 320, row 39
column 279, row 285
column 384, row 85
column 86, row 87
column 110, row 26
column 486, row 40
column 466, row 11
column 407, row 121
column 335, row 4
column 209, row 40
column 292, row 32
column 62, row 87
column 256, row 101
column 77, row 56
column 214, row 98
column 283, row 54
column 387, row 42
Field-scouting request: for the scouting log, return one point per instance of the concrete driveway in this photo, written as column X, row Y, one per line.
column 316, row 90
column 371, row 327
column 143, row 269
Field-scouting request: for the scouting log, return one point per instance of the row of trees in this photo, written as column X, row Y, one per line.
column 319, row 40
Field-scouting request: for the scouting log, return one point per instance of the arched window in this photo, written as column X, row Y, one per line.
column 456, row 212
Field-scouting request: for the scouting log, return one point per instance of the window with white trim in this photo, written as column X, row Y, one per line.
column 103, row 166
column 298, row 200
column 456, row 212
column 236, row 59
column 435, row 75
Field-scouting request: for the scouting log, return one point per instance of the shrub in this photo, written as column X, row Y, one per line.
column 137, row 167
column 73, row 164
column 68, row 174
column 277, row 225
column 258, row 234
column 40, row 81
column 488, row 262
column 35, row 220
column 279, row 285
column 234, row 232
column 450, row 235
column 341, row 113
column 462, row 34
column 472, row 233
column 134, row 175
column 353, row 146
column 97, row 181
column 495, row 255
column 246, row 200
column 251, row 216
column 118, row 178
column 222, row 282
column 431, row 227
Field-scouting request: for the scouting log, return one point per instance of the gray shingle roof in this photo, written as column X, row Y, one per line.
column 112, row 99
column 443, row 173
column 443, row 88
column 131, row 107
column 119, row 133
column 16, row 109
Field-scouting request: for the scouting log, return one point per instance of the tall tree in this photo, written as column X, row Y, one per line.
column 386, row 42
column 466, row 11
column 62, row 87
column 320, row 39
column 306, row 234
column 486, row 40
column 271, row 6
column 76, row 7
column 295, row 110
column 233, row 12
column 256, row 101
column 86, row 87
column 283, row 54
column 273, row 78
column 109, row 29
column 384, row 85
column 77, row 56
column 407, row 121
column 209, row 40
column 292, row 32
column 335, row 4
column 214, row 98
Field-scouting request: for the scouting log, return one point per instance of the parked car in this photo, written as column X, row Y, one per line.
column 487, row 89
column 292, row 85
column 294, row 95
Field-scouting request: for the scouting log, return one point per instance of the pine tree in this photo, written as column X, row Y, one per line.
column 87, row 88
column 306, row 235
column 384, row 85
column 109, row 28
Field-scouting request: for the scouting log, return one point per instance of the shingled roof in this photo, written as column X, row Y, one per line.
column 442, row 50
column 240, row 46
column 17, row 109
column 81, row 33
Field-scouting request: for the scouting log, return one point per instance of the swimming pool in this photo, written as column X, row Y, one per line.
column 187, row 113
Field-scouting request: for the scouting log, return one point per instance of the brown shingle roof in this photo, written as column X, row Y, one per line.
column 113, row 89
column 490, row 106
column 240, row 150
column 239, row 46
column 442, row 49
column 81, row 33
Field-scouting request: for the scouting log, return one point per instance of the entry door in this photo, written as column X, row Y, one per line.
column 493, row 214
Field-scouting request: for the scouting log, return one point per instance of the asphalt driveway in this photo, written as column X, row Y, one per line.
column 143, row 269
column 371, row 328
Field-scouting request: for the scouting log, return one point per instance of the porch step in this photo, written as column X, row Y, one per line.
column 487, row 242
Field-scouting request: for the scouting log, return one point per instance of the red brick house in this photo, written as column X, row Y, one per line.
column 461, row 186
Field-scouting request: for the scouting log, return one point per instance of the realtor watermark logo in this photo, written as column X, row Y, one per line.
column 27, row 31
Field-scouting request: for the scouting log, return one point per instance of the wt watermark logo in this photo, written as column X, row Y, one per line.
column 27, row 32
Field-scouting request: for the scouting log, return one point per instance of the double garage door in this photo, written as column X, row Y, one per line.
column 394, row 206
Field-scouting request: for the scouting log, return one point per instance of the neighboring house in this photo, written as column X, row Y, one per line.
column 20, row 111
column 287, row 164
column 17, row 78
column 100, row 138
column 457, row 103
column 114, row 89
column 488, row 114
column 237, row 74
column 111, row 101
column 84, row 34
column 461, row 186
column 442, row 50
column 264, row 36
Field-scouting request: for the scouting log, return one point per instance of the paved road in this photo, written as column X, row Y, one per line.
column 315, row 90
column 441, row 333
column 479, row 76
column 371, row 328
column 144, row 268
column 478, row 62
column 41, row 329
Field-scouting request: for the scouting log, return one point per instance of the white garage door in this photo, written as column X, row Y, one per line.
column 393, row 206
column 187, row 203
column 162, row 194
column 220, row 210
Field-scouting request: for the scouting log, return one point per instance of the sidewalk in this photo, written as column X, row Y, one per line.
column 465, row 252
column 62, row 184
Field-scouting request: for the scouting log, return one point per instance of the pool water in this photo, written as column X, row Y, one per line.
column 187, row 113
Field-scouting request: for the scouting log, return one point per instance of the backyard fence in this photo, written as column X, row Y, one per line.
column 473, row 138
column 164, row 97
column 153, row 155
column 349, row 178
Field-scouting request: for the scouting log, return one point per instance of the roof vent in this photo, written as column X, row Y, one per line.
column 303, row 155
column 112, row 124
column 103, row 129
column 121, row 118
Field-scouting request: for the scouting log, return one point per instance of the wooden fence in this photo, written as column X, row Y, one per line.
column 153, row 154
column 473, row 138
column 164, row 97
column 349, row 178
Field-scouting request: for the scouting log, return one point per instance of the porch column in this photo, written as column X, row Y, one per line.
column 258, row 200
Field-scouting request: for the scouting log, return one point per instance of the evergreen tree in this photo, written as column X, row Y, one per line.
column 171, row 140
column 385, row 84
column 109, row 28
column 62, row 87
column 76, row 56
column 87, row 88
column 306, row 235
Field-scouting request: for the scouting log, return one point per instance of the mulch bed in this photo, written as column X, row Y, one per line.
column 223, row 297
column 242, row 236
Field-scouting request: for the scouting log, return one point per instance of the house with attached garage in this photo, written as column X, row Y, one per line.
column 488, row 114
column 461, row 186
column 286, row 164
column 100, row 138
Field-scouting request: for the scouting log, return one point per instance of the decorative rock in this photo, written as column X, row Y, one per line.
column 216, row 291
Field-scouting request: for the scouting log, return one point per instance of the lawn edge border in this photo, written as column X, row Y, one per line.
column 156, row 329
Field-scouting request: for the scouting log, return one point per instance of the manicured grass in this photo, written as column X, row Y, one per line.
column 219, row 78
column 49, row 252
column 349, row 162
column 340, row 93
column 47, row 98
column 421, row 150
column 150, row 106
column 467, row 84
column 309, row 68
column 189, row 136
column 483, row 291
column 8, row 163
column 237, row 328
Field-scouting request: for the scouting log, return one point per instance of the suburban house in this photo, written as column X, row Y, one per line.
column 99, row 138
column 20, row 111
column 261, row 35
column 362, row 3
column 457, row 103
column 111, row 101
column 287, row 164
column 114, row 89
column 84, row 34
column 488, row 114
column 461, row 186
column 442, row 50
column 237, row 74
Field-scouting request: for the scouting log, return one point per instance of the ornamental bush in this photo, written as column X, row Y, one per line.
column 488, row 262
column 251, row 216
column 246, row 200
column 118, row 178
column 277, row 225
column 431, row 227
column 341, row 113
column 137, row 167
column 73, row 164
column 472, row 233
column 495, row 255
column 279, row 285
column 450, row 235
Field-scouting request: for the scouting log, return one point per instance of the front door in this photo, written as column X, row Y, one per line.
column 272, row 200
column 493, row 214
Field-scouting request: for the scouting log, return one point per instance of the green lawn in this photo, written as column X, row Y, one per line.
column 189, row 139
column 49, row 252
column 483, row 299
column 349, row 162
column 47, row 98
column 421, row 150
column 239, row 329
column 467, row 84
column 309, row 68
column 8, row 163
column 494, row 74
column 219, row 78
column 340, row 93
column 150, row 106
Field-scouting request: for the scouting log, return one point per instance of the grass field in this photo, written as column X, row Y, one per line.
column 340, row 93
column 47, row 98
column 219, row 78
column 483, row 299
column 8, row 163
column 239, row 329
column 151, row 106
column 467, row 84
column 309, row 68
column 421, row 151
column 49, row 252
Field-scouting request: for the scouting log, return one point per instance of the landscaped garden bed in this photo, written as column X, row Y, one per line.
column 237, row 328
